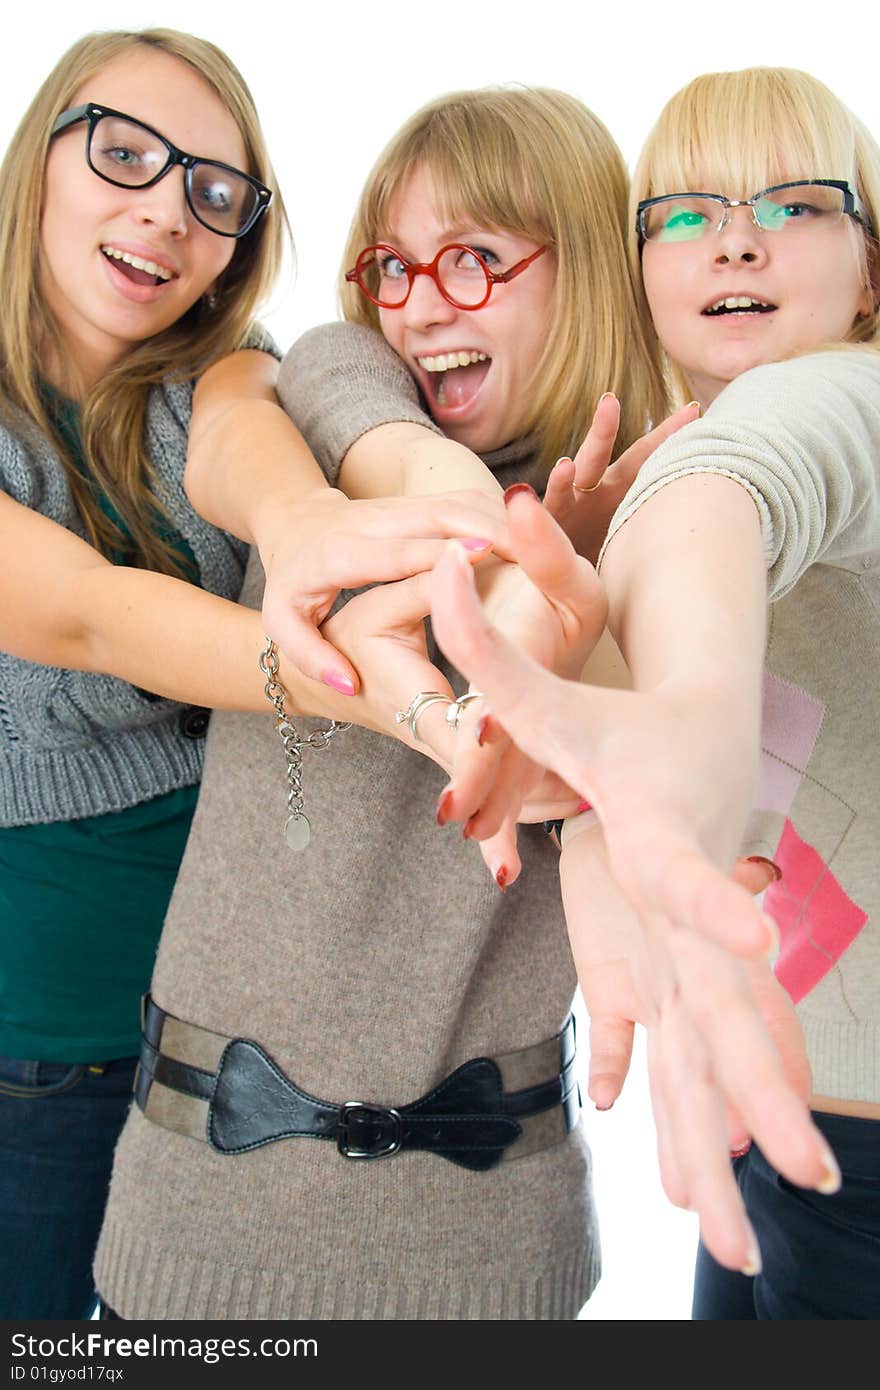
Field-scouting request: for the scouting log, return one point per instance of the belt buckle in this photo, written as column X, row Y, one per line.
column 346, row 1145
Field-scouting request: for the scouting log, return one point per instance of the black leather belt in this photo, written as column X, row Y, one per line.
column 229, row 1092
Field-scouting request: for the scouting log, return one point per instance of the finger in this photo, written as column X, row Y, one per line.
column 748, row 1066
column 557, row 494
column 549, row 559
column 501, row 855
column 611, row 1045
column 300, row 642
column 480, row 745
column 361, row 559
column 594, row 455
column 514, row 684
column 515, row 775
column 629, row 463
column 695, row 1164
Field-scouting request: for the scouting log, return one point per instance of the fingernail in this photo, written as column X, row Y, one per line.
column 485, row 731
column 832, row 1180
column 338, row 682
column 607, row 395
column 690, row 405
column 500, row 873
column 606, row 1105
column 752, row 1265
column 475, row 543
column 516, row 488
column 564, row 459
column 467, row 829
column 743, row 1149
column 583, row 806
column 443, row 811
column 771, row 865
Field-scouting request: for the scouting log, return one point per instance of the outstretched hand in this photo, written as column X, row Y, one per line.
column 640, row 759
column 583, row 493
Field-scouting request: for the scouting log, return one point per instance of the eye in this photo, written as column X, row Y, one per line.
column 683, row 224
column 789, row 212
column 391, row 267
column 123, row 156
column 216, row 196
column 470, row 262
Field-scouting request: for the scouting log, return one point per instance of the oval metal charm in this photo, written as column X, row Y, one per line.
column 297, row 832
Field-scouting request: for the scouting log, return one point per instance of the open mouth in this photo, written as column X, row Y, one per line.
column 738, row 304
column 136, row 269
column 453, row 379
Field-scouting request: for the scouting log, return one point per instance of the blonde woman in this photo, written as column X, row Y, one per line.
column 127, row 264
column 755, row 211
column 379, row 967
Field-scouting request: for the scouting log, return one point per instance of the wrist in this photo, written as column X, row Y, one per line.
column 282, row 515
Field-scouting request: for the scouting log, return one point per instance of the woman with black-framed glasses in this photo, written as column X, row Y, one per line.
column 126, row 267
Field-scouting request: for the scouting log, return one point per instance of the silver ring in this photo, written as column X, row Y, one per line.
column 417, row 706
column 454, row 713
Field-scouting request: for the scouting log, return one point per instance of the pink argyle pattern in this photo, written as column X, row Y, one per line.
column 817, row 920
column 815, row 917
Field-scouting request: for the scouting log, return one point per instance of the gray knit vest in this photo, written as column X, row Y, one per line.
column 76, row 744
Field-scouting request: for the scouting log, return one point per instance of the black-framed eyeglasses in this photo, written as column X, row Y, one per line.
column 461, row 275
column 785, row 207
column 129, row 154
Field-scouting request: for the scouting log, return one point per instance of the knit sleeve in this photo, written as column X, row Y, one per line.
column 803, row 437
column 340, row 380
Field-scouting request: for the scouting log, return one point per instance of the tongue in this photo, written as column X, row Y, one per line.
column 139, row 277
column 461, row 384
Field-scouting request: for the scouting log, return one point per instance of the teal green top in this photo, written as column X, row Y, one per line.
column 82, row 902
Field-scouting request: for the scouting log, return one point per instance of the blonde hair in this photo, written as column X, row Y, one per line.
column 535, row 162
column 114, row 410
column 737, row 132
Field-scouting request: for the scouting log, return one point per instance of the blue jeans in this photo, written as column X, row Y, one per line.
column 820, row 1255
column 59, row 1122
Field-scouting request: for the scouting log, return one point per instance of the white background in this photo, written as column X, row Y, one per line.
column 332, row 82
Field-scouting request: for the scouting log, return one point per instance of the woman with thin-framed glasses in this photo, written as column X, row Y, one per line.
column 750, row 718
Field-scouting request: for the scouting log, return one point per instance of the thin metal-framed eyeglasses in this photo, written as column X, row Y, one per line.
column 800, row 204
column 461, row 275
column 129, row 154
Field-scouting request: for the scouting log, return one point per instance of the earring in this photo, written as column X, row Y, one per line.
column 210, row 300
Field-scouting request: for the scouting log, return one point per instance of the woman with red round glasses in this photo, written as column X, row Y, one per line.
column 377, row 990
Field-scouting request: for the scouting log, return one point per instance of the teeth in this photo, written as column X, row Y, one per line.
column 447, row 361
column 138, row 262
column 742, row 301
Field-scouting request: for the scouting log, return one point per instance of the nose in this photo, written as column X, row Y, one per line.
column 741, row 241
column 163, row 205
column 426, row 306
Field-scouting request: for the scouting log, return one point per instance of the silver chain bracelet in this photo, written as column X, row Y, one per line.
column 297, row 830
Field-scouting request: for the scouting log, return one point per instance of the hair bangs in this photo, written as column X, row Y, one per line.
column 477, row 167
column 738, row 132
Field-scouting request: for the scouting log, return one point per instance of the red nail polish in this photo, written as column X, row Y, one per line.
column 485, row 731
column 584, row 806
column 467, row 829
column 761, row 859
column 502, row 876
column 518, row 487
column 443, row 811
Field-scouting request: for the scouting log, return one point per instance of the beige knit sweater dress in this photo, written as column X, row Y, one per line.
column 369, row 967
